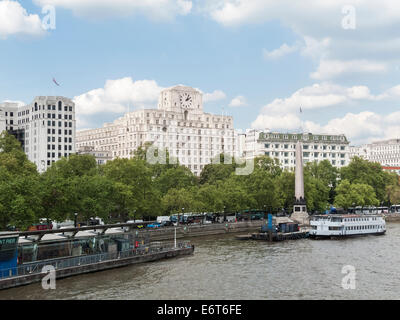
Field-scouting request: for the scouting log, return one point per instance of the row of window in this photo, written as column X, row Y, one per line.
column 362, row 227
column 53, row 139
column 360, row 219
column 305, row 154
column 53, row 147
column 305, row 147
column 52, row 107
column 53, row 155
column 53, row 116
column 53, row 124
column 53, row 131
column 305, row 137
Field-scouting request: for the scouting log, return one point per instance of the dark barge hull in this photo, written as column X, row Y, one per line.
column 110, row 264
column 280, row 236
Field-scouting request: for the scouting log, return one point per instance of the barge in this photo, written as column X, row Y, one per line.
column 278, row 231
column 75, row 251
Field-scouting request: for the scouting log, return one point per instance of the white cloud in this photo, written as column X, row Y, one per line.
column 308, row 47
column 155, row 9
column 239, row 101
column 329, row 69
column 359, row 128
column 284, row 114
column 312, row 97
column 283, row 50
column 372, row 48
column 214, row 96
column 14, row 19
column 117, row 95
column 299, row 15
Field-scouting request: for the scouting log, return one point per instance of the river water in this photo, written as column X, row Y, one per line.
column 225, row 268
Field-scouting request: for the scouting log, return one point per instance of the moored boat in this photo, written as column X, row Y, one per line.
column 346, row 225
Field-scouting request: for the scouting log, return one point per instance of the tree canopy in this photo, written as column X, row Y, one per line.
column 134, row 188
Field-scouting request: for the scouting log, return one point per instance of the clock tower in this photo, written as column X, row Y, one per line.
column 181, row 99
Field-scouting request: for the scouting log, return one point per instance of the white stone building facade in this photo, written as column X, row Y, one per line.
column 386, row 152
column 45, row 128
column 178, row 125
column 282, row 146
column 102, row 157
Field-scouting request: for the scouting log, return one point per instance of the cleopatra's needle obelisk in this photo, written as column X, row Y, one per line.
column 300, row 214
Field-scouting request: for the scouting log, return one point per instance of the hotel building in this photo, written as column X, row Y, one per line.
column 386, row 152
column 179, row 125
column 282, row 146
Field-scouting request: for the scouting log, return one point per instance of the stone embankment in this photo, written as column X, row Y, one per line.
column 392, row 217
column 198, row 230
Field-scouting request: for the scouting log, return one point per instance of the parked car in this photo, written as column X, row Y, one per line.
column 167, row 223
column 154, row 225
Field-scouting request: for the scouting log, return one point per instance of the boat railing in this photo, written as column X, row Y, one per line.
column 37, row 267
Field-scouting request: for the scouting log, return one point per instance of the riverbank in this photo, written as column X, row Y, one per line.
column 198, row 230
column 392, row 217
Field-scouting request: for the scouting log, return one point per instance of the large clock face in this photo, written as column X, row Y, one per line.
column 186, row 100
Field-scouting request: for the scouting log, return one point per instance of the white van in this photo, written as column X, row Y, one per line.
column 161, row 219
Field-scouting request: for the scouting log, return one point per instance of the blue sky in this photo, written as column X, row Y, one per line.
column 258, row 60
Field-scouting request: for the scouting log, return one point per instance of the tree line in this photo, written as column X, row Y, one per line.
column 125, row 189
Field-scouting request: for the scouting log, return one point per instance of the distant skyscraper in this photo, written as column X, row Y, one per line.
column 45, row 128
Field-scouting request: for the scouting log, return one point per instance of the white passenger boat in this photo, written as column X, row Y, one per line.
column 333, row 225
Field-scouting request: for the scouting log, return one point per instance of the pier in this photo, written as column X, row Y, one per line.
column 32, row 272
column 76, row 251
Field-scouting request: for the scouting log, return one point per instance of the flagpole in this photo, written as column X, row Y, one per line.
column 301, row 120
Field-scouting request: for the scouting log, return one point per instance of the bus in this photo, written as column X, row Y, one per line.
column 395, row 208
column 8, row 254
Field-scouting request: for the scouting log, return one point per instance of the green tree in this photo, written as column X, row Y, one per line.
column 136, row 176
column 269, row 165
column 175, row 177
column 325, row 173
column 371, row 173
column 218, row 170
column 210, row 198
column 286, row 185
column 261, row 186
column 358, row 194
column 176, row 199
column 19, row 185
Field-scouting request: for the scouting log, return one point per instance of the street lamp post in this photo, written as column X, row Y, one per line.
column 183, row 213
column 224, row 213
column 75, row 219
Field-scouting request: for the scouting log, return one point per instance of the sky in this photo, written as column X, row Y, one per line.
column 259, row 61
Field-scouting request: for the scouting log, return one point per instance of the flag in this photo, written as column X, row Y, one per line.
column 54, row 80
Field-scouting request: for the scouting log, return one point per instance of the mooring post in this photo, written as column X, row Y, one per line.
column 270, row 227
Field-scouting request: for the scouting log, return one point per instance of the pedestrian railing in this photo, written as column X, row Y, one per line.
column 64, row 263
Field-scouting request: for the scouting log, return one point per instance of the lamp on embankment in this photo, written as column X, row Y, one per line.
column 75, row 219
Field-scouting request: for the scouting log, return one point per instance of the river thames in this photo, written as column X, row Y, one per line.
column 225, row 268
